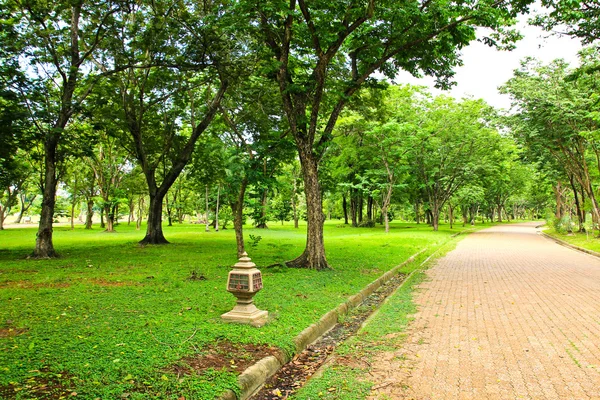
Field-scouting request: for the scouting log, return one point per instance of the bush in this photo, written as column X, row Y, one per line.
column 367, row 223
column 563, row 225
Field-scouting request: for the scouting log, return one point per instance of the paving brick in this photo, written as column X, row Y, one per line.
column 508, row 314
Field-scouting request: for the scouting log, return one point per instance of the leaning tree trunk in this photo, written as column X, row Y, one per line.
column 313, row 256
column 44, row 248
column 154, row 232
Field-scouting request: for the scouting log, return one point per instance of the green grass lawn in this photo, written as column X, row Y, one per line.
column 110, row 319
column 587, row 241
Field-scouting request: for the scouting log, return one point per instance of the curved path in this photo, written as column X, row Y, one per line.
column 508, row 314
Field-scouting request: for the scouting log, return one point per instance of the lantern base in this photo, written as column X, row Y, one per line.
column 242, row 316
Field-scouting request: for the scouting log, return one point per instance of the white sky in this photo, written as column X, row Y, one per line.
column 484, row 68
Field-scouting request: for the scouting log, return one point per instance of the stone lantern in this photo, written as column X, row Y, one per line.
column 244, row 282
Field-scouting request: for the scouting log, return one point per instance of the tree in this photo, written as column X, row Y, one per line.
column 576, row 18
column 165, row 107
column 449, row 147
column 556, row 116
column 56, row 43
column 323, row 53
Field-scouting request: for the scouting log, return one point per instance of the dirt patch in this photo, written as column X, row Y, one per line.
column 20, row 271
column 105, row 283
column 32, row 285
column 6, row 332
column 223, row 355
column 294, row 374
column 45, row 385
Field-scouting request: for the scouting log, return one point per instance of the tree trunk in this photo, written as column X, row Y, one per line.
column 417, row 216
column 558, row 197
column 580, row 212
column 102, row 224
column 360, row 208
column 386, row 219
column 25, row 205
column 294, row 205
column 89, row 215
column 263, row 211
column 206, row 229
column 2, row 217
column 294, row 210
column 345, row 208
column 217, row 209
column 154, row 232
column 313, row 256
column 450, row 215
column 131, row 216
column 237, row 208
column 435, row 217
column 72, row 216
column 370, row 208
column 110, row 219
column 353, row 207
column 138, row 223
column 44, row 248
column 499, row 212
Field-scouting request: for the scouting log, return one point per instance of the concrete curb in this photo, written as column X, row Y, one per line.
column 571, row 246
column 255, row 376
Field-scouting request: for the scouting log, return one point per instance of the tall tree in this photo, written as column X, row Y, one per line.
column 557, row 117
column 190, row 58
column 324, row 52
column 55, row 45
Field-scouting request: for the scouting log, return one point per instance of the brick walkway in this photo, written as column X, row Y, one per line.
column 507, row 315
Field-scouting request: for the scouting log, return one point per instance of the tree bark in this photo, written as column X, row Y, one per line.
column 217, row 209
column 313, row 256
column 435, row 217
column 345, row 208
column 2, row 217
column 25, row 205
column 154, row 232
column 417, row 216
column 44, row 248
column 90, row 214
column 110, row 218
column 450, row 214
column 263, row 210
column 138, row 223
column 206, row 229
column 294, row 205
column 360, row 208
column 386, row 219
column 353, row 207
column 72, row 216
column 499, row 212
